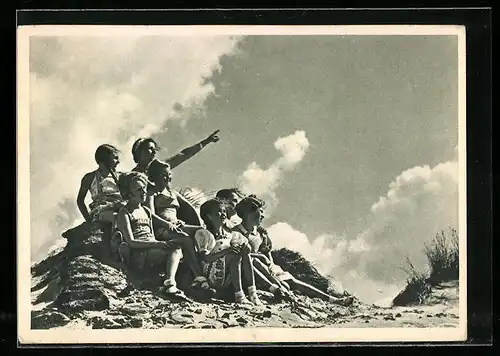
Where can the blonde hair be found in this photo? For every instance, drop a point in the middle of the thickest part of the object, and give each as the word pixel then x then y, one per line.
pixel 127 178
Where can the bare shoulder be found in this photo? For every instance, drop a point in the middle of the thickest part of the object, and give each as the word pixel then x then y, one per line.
pixel 87 178
pixel 122 214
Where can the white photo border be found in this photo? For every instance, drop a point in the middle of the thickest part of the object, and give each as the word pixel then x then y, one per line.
pixel 234 335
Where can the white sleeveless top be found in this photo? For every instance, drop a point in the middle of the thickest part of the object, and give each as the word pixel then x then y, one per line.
pixel 104 188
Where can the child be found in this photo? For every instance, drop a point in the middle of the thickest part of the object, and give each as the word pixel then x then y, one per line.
pixel 225 255
pixel 144 151
pixel 164 201
pixel 103 187
pixel 135 222
pixel 250 210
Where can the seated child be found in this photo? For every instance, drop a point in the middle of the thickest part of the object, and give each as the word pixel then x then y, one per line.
pixel 103 187
pixel 164 201
pixel 225 255
pixel 250 210
pixel 135 222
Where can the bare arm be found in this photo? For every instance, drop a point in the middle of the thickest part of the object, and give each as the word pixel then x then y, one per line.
pixel 123 222
pixel 189 152
pixel 168 225
pixel 261 257
pixel 82 193
pixel 150 203
pixel 270 257
pixel 217 255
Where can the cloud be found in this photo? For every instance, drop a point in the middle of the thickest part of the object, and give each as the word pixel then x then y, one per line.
pixel 264 182
pixel 419 203
pixel 88 91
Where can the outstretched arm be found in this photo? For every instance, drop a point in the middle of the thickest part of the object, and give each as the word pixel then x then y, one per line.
pixel 189 152
pixel 82 193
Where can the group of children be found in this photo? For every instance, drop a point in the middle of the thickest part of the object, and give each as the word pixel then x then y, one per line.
pixel 226 248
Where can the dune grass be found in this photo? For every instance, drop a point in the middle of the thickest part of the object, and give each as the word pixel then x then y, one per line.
pixel 442 255
pixel 443 259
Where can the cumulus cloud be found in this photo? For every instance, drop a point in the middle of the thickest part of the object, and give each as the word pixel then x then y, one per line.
pixel 86 91
pixel 264 182
pixel 419 203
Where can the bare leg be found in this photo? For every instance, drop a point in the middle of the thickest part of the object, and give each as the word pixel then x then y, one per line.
pixel 187 246
pixel 316 293
pixel 248 271
pixel 191 229
pixel 248 274
pixel 173 259
pixel 234 262
pixel 264 279
pixel 263 269
pixel 235 271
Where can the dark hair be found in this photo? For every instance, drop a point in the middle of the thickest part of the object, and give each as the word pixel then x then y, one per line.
pixel 155 167
pixel 207 208
pixel 139 144
pixel 104 151
pixel 228 193
pixel 127 178
pixel 249 204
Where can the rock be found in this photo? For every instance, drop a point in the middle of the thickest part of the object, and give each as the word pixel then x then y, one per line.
pixel 367 321
pixel 48 319
pixel 225 315
pixel 198 311
pixel 267 314
pixel 389 317
pixel 136 322
pixel 134 309
pixel 398 315
pixel 80 300
pixel 89 285
pixel 52 290
pixel 241 320
pixel 228 323
pixel 208 326
pixel 179 318
pixel 98 322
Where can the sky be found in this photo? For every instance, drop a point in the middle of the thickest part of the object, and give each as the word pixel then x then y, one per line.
pixel 350 139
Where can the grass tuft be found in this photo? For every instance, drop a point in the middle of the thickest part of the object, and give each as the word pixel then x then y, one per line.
pixel 443 259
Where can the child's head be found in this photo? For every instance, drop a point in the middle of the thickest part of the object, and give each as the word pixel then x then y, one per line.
pixel 160 174
pixel 133 187
pixel 212 213
pixel 251 209
pixel 144 150
pixel 107 156
pixel 231 197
